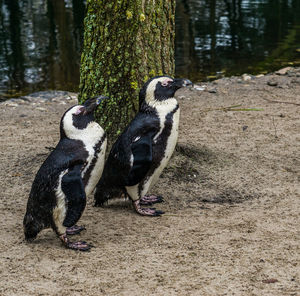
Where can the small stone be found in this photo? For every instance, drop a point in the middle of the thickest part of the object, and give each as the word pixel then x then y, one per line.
pixel 20 101
pixel 181 97
pixel 245 127
pixel 260 75
pixel 41 109
pixel 283 71
pixel 62 103
pixel 73 98
pixel 272 83
pixel 11 104
pixel 212 90
pixel 270 281
pixel 246 77
pixel 199 87
pixel 220 80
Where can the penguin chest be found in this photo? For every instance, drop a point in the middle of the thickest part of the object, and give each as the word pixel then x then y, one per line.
pixel 171 137
pixel 93 169
pixel 165 144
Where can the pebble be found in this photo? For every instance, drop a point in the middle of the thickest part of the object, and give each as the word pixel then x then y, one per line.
pixel 272 83
pixel 212 90
pixel 41 109
pixel 199 87
pixel 283 71
pixel 11 104
pixel 246 77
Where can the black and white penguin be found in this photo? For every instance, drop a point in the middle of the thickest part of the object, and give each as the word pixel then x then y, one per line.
pixel 142 151
pixel 69 174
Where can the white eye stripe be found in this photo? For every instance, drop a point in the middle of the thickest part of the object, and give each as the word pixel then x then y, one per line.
pixel 166 82
pixel 79 110
pixel 152 85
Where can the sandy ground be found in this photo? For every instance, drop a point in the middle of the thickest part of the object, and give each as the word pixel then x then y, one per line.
pixel 232 202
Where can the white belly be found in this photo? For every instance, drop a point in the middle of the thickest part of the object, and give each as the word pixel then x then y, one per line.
pixel 97 170
pixel 59 212
pixel 133 191
pixel 171 144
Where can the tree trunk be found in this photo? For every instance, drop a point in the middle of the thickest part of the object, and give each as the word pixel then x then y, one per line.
pixel 125 43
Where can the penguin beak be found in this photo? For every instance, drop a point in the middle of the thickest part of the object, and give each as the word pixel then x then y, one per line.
pixel 91 104
pixel 187 82
pixel 181 82
pixel 100 99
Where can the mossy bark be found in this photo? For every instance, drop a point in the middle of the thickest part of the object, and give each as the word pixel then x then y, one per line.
pixel 125 43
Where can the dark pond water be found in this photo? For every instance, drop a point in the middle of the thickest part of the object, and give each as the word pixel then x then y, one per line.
pixel 41 40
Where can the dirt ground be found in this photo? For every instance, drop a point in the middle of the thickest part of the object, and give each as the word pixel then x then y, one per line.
pixel 232 202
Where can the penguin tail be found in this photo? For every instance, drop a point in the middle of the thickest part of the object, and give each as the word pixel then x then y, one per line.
pixel 31 227
pixel 101 197
pixel 104 192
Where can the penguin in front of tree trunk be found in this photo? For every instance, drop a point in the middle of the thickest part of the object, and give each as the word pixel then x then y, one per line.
pixel 69 174
pixel 142 151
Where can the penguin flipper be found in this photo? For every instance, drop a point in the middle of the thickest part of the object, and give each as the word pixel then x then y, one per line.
pixel 73 188
pixel 142 159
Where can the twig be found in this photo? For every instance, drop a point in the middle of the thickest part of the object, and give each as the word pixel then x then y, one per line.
pixel 231 108
pixel 281 102
pixel 273 120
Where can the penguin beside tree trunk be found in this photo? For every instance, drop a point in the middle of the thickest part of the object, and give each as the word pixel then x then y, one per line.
pixel 70 173
pixel 142 151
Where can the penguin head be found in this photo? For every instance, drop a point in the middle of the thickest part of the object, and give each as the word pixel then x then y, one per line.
pixel 79 117
pixel 161 88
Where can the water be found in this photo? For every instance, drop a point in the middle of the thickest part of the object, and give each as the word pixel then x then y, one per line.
pixel 223 37
pixel 40 44
pixel 40 40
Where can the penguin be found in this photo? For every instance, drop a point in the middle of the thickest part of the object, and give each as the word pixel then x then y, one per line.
pixel 143 150
pixel 68 175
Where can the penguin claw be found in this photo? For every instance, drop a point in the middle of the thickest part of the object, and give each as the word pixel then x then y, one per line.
pixel 78 246
pixel 146 211
pixel 75 229
pixel 159 213
pixel 149 200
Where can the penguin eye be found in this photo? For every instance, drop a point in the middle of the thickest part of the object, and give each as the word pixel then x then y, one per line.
pixel 79 110
pixel 166 82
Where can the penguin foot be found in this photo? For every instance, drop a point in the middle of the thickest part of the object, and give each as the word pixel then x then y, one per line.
pixel 146 211
pixel 78 246
pixel 151 199
pixel 75 229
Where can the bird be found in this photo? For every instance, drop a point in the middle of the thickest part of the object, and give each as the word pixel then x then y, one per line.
pixel 143 150
pixel 69 174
